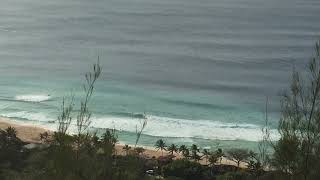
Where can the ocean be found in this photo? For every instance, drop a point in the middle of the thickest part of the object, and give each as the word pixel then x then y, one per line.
pixel 200 70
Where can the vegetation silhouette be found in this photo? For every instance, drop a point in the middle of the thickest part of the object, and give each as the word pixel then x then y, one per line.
pixel 161 145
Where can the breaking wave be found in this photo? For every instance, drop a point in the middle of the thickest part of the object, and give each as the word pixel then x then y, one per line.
pixel 33 98
pixel 167 127
pixel 183 128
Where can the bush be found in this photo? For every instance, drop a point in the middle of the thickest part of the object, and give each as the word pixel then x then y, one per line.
pixel 238 175
pixel 184 169
pixel 11 149
pixel 297 152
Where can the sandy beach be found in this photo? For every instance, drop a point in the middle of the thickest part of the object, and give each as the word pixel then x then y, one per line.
pixel 27 133
pixel 31 134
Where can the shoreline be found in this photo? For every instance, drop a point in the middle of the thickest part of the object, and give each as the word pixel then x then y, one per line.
pixel 31 134
pixel 26 132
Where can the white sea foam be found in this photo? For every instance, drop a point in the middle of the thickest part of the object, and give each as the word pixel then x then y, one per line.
pixel 32 116
pixel 167 127
pixel 182 128
pixel 33 98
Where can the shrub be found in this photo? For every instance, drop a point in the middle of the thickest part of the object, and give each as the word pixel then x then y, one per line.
pixel 184 169
pixel 238 155
pixel 11 148
pixel 297 152
pixel 238 175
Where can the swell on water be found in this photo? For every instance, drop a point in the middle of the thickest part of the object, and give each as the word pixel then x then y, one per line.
pixel 165 127
pixel 29 116
pixel 183 128
pixel 32 97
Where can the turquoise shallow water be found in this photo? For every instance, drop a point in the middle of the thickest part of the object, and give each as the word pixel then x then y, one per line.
pixel 200 70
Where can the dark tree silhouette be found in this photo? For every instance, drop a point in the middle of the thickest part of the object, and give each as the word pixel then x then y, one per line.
pixel 173 149
pixel 161 145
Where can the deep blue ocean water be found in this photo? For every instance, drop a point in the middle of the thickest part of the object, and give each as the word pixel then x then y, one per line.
pixel 200 70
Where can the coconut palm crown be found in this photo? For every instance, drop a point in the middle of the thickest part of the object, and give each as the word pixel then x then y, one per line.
pixel 160 145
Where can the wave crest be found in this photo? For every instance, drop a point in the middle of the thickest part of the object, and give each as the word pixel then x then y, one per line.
pixel 166 127
pixel 33 98
pixel 182 128
pixel 29 116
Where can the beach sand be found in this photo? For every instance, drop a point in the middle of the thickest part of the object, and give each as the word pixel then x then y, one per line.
pixel 31 134
pixel 27 133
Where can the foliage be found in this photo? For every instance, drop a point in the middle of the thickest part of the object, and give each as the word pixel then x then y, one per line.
pixel 184 150
pixel 194 152
pixel 206 153
pixel 185 169
pixel 238 175
pixel 11 149
pixel 139 150
pixel 161 145
pixel 286 156
pixel 238 155
pixel 219 153
pixel 173 148
pixel 213 158
pixel 45 137
pixel 297 151
pixel 64 119
pixel 84 115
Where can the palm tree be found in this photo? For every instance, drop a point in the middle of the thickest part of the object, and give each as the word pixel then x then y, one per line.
pixel 160 145
pixel 9 135
pixel 126 148
pixel 184 150
pixel 11 132
pixel 206 154
pixel 172 149
pixel 186 153
pixel 219 154
pixel 194 152
pixel 213 158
